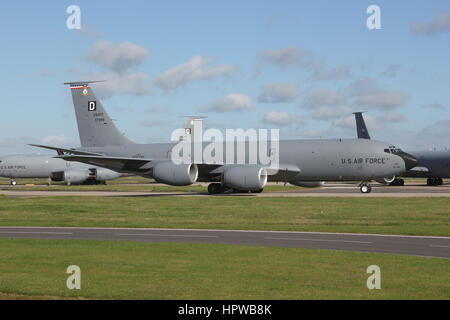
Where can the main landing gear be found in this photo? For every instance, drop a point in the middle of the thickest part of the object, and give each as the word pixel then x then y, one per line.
pixel 365 187
pixel 217 188
pixel 397 182
pixel 434 182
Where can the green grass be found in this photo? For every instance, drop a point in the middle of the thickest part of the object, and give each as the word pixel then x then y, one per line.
pixel 122 180
pixel 132 270
pixel 130 184
pixel 135 188
pixel 408 216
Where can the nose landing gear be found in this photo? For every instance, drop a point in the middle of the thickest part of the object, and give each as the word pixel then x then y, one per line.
pixel 365 187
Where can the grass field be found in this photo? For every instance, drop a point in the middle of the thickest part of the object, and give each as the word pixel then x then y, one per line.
pixel 122 180
pixel 35 269
pixel 133 180
pixel 408 216
pixel 123 184
pixel 128 270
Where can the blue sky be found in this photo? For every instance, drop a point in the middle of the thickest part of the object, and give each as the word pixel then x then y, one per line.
pixel 300 66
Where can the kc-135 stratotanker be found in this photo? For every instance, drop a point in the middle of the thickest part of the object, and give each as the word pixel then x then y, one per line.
pixel 300 162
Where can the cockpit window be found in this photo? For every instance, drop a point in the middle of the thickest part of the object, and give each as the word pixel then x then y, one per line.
pixel 393 149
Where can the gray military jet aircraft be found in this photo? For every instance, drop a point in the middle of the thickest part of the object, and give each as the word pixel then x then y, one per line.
pixel 47 166
pixel 434 165
pixel 300 161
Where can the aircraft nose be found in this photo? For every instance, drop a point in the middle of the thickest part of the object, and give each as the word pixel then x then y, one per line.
pixel 410 160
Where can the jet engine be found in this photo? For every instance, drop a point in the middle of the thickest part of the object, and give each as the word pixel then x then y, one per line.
pixel 76 176
pixel 307 184
pixel 102 174
pixel 248 178
pixel 176 175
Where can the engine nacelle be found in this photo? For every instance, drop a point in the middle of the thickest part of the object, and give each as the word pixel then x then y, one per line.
pixel 385 180
pixel 307 184
pixel 76 176
pixel 247 178
pixel 176 175
pixel 102 174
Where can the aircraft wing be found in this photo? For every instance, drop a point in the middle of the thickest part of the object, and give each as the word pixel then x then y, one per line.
pixel 283 171
pixel 114 163
pixel 61 151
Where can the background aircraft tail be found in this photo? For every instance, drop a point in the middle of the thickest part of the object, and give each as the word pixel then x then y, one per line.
pixel 361 128
pixel 95 127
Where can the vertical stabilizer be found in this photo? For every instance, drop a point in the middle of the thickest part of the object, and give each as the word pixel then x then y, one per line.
pixel 361 128
pixel 95 127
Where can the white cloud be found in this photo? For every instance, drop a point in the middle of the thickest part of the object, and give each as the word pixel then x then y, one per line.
pixel 277 92
pixel 324 97
pixel 321 73
pixel 281 118
pixel 283 57
pixel 294 56
pixel 117 57
pixel 392 117
pixel 382 99
pixel 348 122
pixel 441 23
pixel 118 62
pixel 368 94
pixel 130 82
pixel 58 140
pixel 232 102
pixel 198 68
pixel 330 113
pixel 391 71
pixel 431 135
pixel 363 86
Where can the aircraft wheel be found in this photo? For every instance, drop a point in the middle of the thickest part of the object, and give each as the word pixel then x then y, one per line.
pixel 440 182
pixel 214 188
pixel 13 182
pixel 401 182
pixel 365 188
pixel 429 182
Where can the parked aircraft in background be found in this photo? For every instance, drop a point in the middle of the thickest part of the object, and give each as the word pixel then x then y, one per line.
pixel 300 161
pixel 433 165
pixel 47 166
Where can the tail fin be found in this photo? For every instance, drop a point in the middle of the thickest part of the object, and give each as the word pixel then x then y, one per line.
pixel 361 128
pixel 95 127
pixel 193 128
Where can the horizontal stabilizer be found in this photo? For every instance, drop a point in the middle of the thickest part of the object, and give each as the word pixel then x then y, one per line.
pixel 62 151
pixel 82 83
